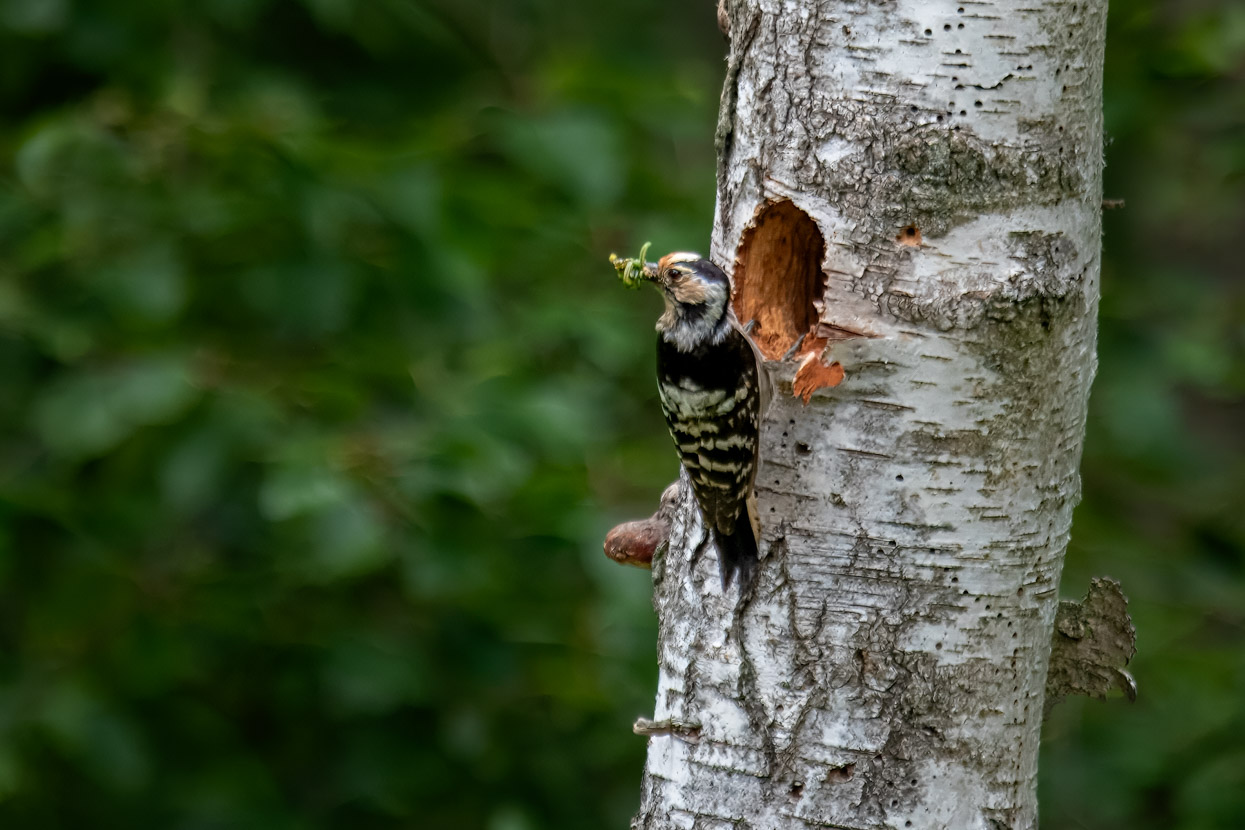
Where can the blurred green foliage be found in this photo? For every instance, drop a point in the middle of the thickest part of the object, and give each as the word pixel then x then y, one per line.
pixel 317 396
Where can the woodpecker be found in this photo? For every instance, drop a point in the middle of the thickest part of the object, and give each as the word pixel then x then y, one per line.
pixel 713 391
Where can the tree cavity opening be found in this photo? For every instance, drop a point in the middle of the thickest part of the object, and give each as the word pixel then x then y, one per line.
pixel 778 278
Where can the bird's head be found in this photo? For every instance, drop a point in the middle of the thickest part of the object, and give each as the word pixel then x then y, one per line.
pixel 697 295
pixel 692 284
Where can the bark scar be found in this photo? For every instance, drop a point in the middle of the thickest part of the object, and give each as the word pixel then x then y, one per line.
pixel 730 86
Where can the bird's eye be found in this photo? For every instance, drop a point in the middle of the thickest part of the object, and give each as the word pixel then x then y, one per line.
pixel 674 272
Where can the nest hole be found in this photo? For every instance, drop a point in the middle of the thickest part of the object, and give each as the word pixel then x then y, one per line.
pixel 778 277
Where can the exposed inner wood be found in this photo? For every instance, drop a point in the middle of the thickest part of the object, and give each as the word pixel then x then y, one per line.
pixel 778 276
pixel 909 236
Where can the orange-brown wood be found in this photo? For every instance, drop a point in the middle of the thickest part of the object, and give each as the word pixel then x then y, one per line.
pixel 778 277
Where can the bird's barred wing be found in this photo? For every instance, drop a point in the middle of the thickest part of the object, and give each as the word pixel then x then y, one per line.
pixel 715 427
pixel 765 385
pixel 766 394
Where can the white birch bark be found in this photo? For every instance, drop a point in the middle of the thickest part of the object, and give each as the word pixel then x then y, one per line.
pixel 888 669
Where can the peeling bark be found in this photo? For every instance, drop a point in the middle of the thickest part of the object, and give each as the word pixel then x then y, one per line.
pixel 888 668
pixel 1094 640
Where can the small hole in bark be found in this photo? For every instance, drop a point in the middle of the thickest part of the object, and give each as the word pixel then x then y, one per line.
pixel 796 789
pixel 963 112
pixel 940 118
pixel 802 448
pixel 947 28
pixel 772 510
pixel 778 277
pixel 843 773
pixel 959 51
pixel 955 579
pixel 976 103
pixel 929 32
pixel 960 10
pixel 959 25
pixel 1057 71
pixel 909 236
pixel 898 478
pixel 938 646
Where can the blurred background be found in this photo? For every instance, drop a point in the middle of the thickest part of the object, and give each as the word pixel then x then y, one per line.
pixel 317 397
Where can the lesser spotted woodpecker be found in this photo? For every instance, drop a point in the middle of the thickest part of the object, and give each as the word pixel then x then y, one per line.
pixel 713 391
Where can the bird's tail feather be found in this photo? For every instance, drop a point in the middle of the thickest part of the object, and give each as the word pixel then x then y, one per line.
pixel 737 553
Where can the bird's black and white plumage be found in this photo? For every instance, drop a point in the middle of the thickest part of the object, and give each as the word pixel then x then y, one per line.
pixel 713 391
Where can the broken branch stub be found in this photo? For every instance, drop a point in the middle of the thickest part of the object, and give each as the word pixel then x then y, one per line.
pixel 639 542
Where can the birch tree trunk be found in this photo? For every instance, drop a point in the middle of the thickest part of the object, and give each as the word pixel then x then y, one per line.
pixel 914 185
